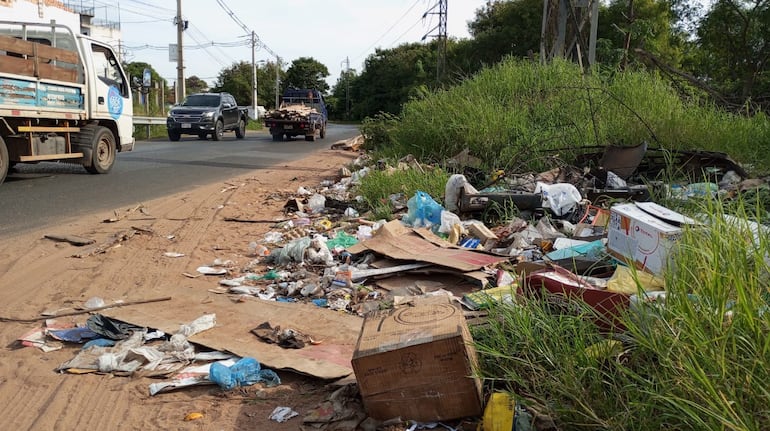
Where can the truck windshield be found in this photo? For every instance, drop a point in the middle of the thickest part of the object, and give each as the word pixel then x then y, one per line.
pixel 210 100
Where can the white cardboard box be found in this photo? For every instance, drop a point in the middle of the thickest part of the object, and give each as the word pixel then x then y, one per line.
pixel 639 237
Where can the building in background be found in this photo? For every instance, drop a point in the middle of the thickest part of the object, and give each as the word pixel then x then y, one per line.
pixel 79 15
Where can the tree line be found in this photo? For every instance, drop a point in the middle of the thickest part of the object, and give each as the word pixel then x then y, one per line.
pixel 720 52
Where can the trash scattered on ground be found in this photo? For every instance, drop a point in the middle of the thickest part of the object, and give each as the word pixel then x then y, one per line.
pixel 282 414
pixel 587 233
pixel 193 416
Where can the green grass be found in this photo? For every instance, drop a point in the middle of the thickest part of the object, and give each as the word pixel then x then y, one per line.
pixel 517 114
pixel 377 186
pixel 701 362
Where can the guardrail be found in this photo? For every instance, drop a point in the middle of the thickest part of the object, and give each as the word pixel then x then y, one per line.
pixel 149 121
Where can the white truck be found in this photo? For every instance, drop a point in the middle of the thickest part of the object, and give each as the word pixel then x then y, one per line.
pixel 63 97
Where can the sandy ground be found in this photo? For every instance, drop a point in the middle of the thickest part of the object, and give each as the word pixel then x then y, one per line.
pixel 38 275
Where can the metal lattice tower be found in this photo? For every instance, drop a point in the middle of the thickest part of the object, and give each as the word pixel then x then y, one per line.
pixel 441 34
pixel 569 30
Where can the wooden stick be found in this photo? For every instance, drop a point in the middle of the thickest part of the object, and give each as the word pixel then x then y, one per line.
pixel 73 313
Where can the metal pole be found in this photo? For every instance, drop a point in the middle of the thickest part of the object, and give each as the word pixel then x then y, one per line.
pixel 254 74
pixel 179 54
pixel 277 79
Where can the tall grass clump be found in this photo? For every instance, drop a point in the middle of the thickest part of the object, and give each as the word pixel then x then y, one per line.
pixel 698 361
pixel 377 186
pixel 711 340
pixel 515 114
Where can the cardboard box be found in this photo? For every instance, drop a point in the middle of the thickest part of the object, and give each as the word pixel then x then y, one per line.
pixel 416 363
pixel 646 236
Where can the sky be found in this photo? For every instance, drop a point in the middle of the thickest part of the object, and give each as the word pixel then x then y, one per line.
pixel 327 30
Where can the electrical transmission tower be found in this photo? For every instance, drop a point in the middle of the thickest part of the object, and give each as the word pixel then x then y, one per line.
pixel 440 34
pixel 569 30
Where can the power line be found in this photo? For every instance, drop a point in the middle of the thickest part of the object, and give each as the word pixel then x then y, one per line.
pixel 256 40
pixel 150 5
pixel 388 30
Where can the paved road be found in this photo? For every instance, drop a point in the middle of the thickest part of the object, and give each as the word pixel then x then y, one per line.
pixel 46 193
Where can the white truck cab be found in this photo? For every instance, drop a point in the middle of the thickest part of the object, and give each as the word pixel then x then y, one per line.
pixel 63 96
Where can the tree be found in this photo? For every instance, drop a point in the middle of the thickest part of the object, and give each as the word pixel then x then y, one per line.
pixel 194 84
pixel 236 80
pixel 338 101
pixel 306 72
pixel 390 77
pixel 734 49
pixel 651 25
pixel 506 28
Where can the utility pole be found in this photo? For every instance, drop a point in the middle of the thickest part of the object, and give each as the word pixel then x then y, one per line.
pixel 180 27
pixel 254 73
pixel 277 80
pixel 347 88
pixel 441 27
pixel 569 31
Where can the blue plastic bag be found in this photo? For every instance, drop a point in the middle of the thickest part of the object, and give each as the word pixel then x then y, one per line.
pixel 423 210
pixel 245 372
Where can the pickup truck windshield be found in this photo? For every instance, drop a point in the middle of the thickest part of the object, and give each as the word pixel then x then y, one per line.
pixel 211 100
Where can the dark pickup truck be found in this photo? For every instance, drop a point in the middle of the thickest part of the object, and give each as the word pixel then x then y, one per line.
pixel 206 114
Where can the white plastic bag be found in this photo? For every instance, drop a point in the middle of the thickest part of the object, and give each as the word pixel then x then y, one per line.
pixel 560 198
pixel 452 191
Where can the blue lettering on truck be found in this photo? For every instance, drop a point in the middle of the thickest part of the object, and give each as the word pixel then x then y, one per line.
pixel 114 102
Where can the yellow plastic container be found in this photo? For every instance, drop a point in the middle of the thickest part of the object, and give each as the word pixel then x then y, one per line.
pixel 499 412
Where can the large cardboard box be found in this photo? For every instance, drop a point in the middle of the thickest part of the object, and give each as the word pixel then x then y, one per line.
pixel 416 363
pixel 644 234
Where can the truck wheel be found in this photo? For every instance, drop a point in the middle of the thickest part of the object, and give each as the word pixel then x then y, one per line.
pixel 202 136
pixel 219 131
pixel 174 135
pixel 310 138
pixel 97 144
pixel 278 137
pixel 240 132
pixel 4 162
pixel 323 131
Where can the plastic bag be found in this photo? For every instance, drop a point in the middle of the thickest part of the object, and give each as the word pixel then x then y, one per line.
pixel 448 221
pixel 560 198
pixel 452 191
pixel 316 203
pixel 342 239
pixel 423 210
pixel 245 372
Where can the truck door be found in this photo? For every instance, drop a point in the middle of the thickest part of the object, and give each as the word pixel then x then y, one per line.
pixel 230 110
pixel 109 93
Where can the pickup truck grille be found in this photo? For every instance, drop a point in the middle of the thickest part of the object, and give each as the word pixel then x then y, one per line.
pixel 192 118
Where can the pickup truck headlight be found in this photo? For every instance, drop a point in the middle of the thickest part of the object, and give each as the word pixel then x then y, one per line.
pixel 208 114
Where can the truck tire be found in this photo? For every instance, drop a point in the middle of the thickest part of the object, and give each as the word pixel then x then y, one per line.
pixel 240 132
pixel 278 137
pixel 97 143
pixel 310 138
pixel 323 132
pixel 219 131
pixel 174 136
pixel 5 164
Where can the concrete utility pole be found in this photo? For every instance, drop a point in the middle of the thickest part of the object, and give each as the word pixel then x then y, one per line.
pixel 254 74
pixel 180 27
pixel 347 88
pixel 277 80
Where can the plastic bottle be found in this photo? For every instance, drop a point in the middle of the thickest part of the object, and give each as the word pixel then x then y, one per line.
pixel 258 249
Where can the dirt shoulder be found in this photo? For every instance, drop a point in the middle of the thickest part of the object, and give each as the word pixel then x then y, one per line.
pixel 39 275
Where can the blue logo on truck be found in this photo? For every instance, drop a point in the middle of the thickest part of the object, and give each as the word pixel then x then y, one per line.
pixel 114 102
